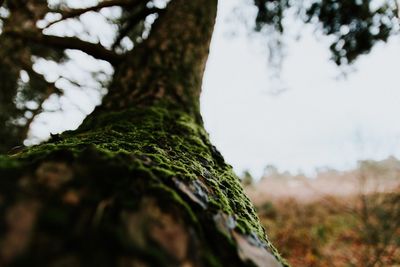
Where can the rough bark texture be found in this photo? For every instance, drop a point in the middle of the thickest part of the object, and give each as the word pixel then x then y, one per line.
pixel 169 65
pixel 139 183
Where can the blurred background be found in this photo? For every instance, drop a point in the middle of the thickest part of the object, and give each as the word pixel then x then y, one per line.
pixel 316 145
pixel 316 115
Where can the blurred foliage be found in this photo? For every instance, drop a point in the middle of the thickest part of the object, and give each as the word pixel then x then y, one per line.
pixel 23 90
pixel 333 233
pixel 334 225
pixel 355 25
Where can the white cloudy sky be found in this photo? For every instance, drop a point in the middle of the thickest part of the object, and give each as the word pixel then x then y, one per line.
pixel 319 121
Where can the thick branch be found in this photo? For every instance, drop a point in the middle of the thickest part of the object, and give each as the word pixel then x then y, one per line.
pixel 72 13
pixel 95 50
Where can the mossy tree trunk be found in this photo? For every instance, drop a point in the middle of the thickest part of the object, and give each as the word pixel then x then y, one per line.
pixel 139 183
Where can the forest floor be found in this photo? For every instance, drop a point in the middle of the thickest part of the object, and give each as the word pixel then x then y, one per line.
pixel 335 219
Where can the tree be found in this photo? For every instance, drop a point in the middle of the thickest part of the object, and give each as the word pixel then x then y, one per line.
pixel 138 183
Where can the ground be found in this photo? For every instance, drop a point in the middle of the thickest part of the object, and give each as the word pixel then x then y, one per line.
pixel 336 219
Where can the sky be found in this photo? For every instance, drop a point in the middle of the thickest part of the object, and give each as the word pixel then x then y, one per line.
pixel 320 120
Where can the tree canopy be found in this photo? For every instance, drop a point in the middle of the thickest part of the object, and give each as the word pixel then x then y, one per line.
pixel 355 25
pixel 37 31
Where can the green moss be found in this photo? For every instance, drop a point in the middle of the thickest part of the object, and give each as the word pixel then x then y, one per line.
pixel 164 144
pixel 7 163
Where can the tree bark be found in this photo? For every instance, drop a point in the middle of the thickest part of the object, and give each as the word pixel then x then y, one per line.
pixel 139 183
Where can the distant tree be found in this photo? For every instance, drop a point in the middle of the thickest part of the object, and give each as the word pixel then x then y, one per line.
pixel 271 170
pixel 139 183
pixel 247 178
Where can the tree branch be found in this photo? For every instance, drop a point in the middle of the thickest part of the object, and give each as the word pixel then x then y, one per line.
pixel 95 50
pixel 72 13
pixel 135 19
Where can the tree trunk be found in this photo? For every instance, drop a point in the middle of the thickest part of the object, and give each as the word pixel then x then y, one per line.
pixel 139 183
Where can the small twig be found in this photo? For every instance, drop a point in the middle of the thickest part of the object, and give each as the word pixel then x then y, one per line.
pixel 134 20
pixel 51 88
